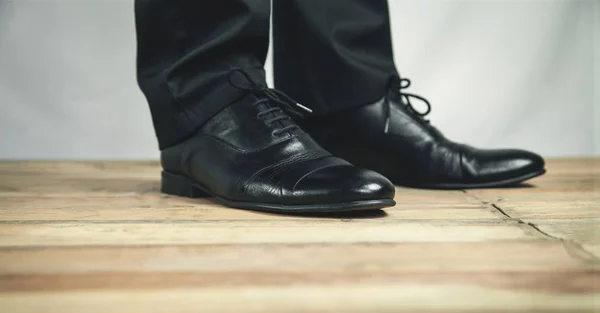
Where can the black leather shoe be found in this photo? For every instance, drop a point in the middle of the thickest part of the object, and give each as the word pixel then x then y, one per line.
pixel 251 155
pixel 392 138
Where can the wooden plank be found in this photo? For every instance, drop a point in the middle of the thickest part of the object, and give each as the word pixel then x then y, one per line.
pixel 564 206
pixel 573 186
pixel 361 297
pixel 42 168
pixel 157 207
pixel 559 282
pixel 551 211
pixel 593 248
pixel 218 213
pixel 560 166
pixel 79 185
pixel 259 231
pixel 69 177
pixel 428 257
pixel 584 231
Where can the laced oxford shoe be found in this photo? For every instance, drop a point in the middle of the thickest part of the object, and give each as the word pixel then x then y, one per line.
pixel 251 155
pixel 391 137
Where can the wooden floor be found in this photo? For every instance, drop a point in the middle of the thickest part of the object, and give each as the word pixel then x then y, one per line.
pixel 98 237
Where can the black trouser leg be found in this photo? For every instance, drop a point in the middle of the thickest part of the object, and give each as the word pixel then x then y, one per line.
pixel 332 55
pixel 185 49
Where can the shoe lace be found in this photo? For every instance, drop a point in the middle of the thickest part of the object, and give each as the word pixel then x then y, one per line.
pixel 266 95
pixel 400 84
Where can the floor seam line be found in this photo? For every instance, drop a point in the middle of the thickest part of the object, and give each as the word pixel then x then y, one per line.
pixel 565 242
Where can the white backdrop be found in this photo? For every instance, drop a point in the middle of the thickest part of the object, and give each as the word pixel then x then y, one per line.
pixel 502 73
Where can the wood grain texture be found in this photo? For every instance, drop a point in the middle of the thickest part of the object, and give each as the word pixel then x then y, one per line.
pixel 582 231
pixel 434 257
pixel 253 232
pixel 154 207
pixel 99 237
pixel 361 297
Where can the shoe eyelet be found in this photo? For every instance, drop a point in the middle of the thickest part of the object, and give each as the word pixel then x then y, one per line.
pixel 275 133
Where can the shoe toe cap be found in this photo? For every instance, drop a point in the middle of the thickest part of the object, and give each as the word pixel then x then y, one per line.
pixel 495 165
pixel 343 183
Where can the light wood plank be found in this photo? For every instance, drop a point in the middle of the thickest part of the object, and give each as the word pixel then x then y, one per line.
pixel 565 206
pixel 428 257
pixel 362 297
pixel 73 177
pixel 157 207
pixel 256 232
pixel 593 248
pixel 568 166
pixel 585 231
pixel 557 282
pixel 217 213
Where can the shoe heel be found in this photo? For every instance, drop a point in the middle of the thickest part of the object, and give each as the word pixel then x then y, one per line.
pixel 179 185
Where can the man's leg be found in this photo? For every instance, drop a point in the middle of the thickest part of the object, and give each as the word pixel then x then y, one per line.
pixel 221 131
pixel 332 55
pixel 185 49
pixel 336 57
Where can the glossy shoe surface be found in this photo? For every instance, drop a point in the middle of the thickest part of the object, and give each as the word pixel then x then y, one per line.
pixel 251 155
pixel 391 137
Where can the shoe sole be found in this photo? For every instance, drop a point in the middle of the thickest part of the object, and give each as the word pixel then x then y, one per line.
pixel 497 184
pixel 179 185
